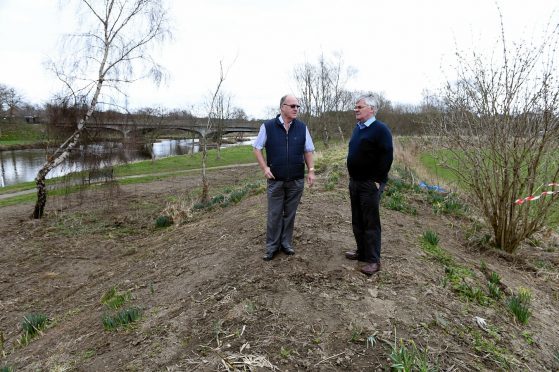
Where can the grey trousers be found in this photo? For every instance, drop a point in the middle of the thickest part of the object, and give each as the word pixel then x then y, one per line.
pixel 283 200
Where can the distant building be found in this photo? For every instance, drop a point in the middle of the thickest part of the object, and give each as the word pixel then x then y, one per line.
pixel 32 119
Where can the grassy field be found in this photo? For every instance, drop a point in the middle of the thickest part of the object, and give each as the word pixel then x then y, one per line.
pixel 429 161
pixel 21 134
pixel 228 156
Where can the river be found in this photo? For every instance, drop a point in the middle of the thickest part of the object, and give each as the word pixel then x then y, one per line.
pixel 17 166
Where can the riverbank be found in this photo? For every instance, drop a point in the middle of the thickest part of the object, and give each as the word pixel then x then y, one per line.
pixel 15 136
pixel 26 146
pixel 137 172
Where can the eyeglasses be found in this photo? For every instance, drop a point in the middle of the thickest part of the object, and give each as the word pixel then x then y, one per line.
pixel 292 106
pixel 359 107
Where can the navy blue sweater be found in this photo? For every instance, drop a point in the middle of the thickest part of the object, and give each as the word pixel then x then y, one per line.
pixel 370 153
pixel 285 151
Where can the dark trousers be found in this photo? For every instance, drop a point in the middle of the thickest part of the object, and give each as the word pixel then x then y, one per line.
pixel 365 218
pixel 283 200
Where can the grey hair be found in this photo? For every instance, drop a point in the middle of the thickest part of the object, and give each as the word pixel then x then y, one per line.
pixel 370 100
pixel 282 100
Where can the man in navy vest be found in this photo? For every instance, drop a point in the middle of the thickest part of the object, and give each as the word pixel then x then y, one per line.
pixel 289 147
pixel 369 159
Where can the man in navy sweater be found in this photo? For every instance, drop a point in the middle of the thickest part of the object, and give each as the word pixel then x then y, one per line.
pixel 369 159
pixel 289 147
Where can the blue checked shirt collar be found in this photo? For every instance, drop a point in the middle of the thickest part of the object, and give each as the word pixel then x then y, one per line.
pixel 367 123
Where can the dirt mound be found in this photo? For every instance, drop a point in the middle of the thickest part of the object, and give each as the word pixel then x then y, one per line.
pixel 209 302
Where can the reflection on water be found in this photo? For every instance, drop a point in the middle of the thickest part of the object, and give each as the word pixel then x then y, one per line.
pixel 17 166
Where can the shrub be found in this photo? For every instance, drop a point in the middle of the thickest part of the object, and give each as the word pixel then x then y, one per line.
pixel 217 199
pixel 237 195
pixel 163 221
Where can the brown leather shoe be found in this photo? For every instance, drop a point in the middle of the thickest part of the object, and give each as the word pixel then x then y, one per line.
pixel 371 268
pixel 351 255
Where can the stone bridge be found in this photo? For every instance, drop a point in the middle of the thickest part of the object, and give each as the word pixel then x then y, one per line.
pixel 126 127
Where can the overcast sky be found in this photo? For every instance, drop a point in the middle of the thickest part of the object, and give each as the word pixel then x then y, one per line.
pixel 398 47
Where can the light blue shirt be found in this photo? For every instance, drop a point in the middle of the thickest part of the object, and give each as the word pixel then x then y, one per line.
pixel 366 123
pixel 260 141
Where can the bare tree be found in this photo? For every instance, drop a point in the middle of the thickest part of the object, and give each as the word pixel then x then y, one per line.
pixel 204 198
pixel 500 133
pixel 222 111
pixel 116 42
pixel 10 102
pixel 322 91
pixel 304 76
pixel 3 98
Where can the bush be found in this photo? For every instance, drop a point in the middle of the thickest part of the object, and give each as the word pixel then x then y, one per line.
pixel 163 221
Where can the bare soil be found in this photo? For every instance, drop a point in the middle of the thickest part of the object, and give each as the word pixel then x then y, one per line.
pixel 209 302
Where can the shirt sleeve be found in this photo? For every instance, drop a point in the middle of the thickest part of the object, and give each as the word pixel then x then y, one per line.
pixel 309 145
pixel 260 141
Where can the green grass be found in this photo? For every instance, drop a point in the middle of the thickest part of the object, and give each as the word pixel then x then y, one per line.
pixel 519 305
pixel 19 187
pixel 123 318
pixel 229 156
pixel 430 237
pixel 494 291
pixel 333 177
pixel 455 275
pixel 285 352
pixel 231 196
pixel 408 358
pixel 430 245
pixel 32 326
pixel 493 286
pixel 430 162
pixel 528 337
pixel 356 334
pixel 396 196
pixel 114 299
pixel 446 204
pixel 21 133
pixel 488 347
